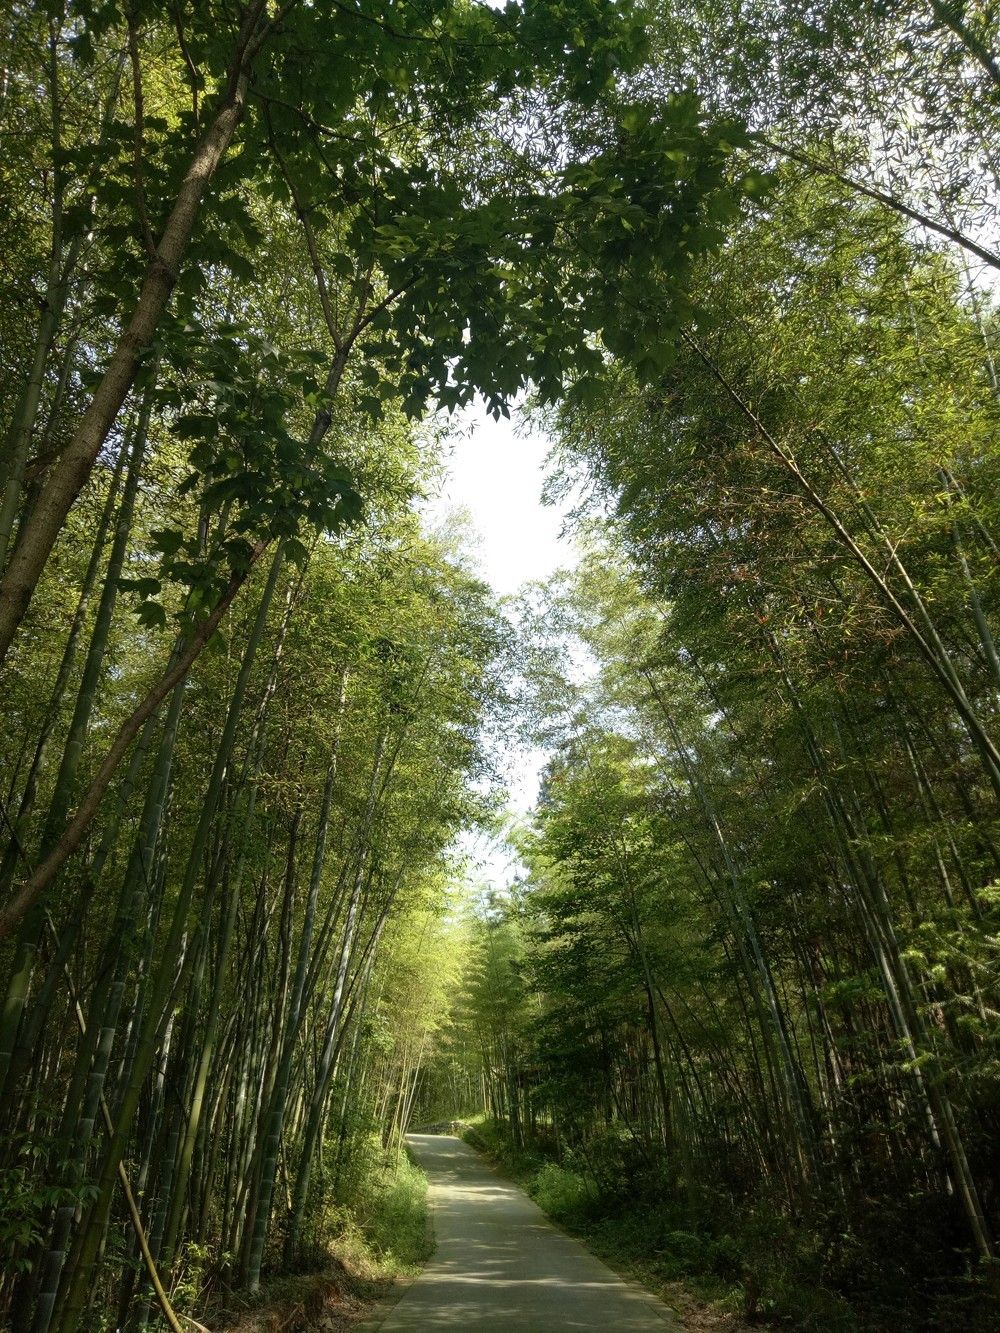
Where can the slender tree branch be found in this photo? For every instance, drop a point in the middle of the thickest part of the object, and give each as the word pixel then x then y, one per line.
pixel 139 138
pixel 194 78
pixel 880 196
pixel 950 16
pixel 43 875
pixel 300 209
pixel 942 670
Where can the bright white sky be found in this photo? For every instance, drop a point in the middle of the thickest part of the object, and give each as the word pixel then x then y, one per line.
pixel 496 473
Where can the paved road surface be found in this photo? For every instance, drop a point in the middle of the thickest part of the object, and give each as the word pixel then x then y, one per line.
pixel 499 1263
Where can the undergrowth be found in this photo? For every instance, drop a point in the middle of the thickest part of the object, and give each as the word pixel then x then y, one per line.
pixel 354 1255
pixel 758 1265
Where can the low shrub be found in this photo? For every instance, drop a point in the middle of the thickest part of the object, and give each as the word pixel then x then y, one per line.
pixel 392 1211
pixel 493 1140
pixel 563 1194
pixel 375 1203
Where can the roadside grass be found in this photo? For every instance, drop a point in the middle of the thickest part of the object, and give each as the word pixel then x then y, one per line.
pixel 357 1256
pixel 714 1283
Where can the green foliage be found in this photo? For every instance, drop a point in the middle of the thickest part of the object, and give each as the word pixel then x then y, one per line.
pixel 392 1213
pixel 193 1266
pixel 374 1207
pixel 27 1197
pixel 564 1195
pixel 756 922
pixel 736 1019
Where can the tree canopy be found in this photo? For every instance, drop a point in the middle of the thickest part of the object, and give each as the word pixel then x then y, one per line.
pixel 737 1009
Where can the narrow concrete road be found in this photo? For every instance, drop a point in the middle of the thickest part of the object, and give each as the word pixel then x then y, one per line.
pixel 500 1264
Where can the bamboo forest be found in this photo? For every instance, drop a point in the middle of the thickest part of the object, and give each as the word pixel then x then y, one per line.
pixel 282 929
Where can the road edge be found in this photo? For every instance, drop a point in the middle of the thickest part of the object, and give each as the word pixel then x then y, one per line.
pixel 383 1308
pixel 666 1313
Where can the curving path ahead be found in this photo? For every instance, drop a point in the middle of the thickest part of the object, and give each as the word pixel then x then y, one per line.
pixel 500 1264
